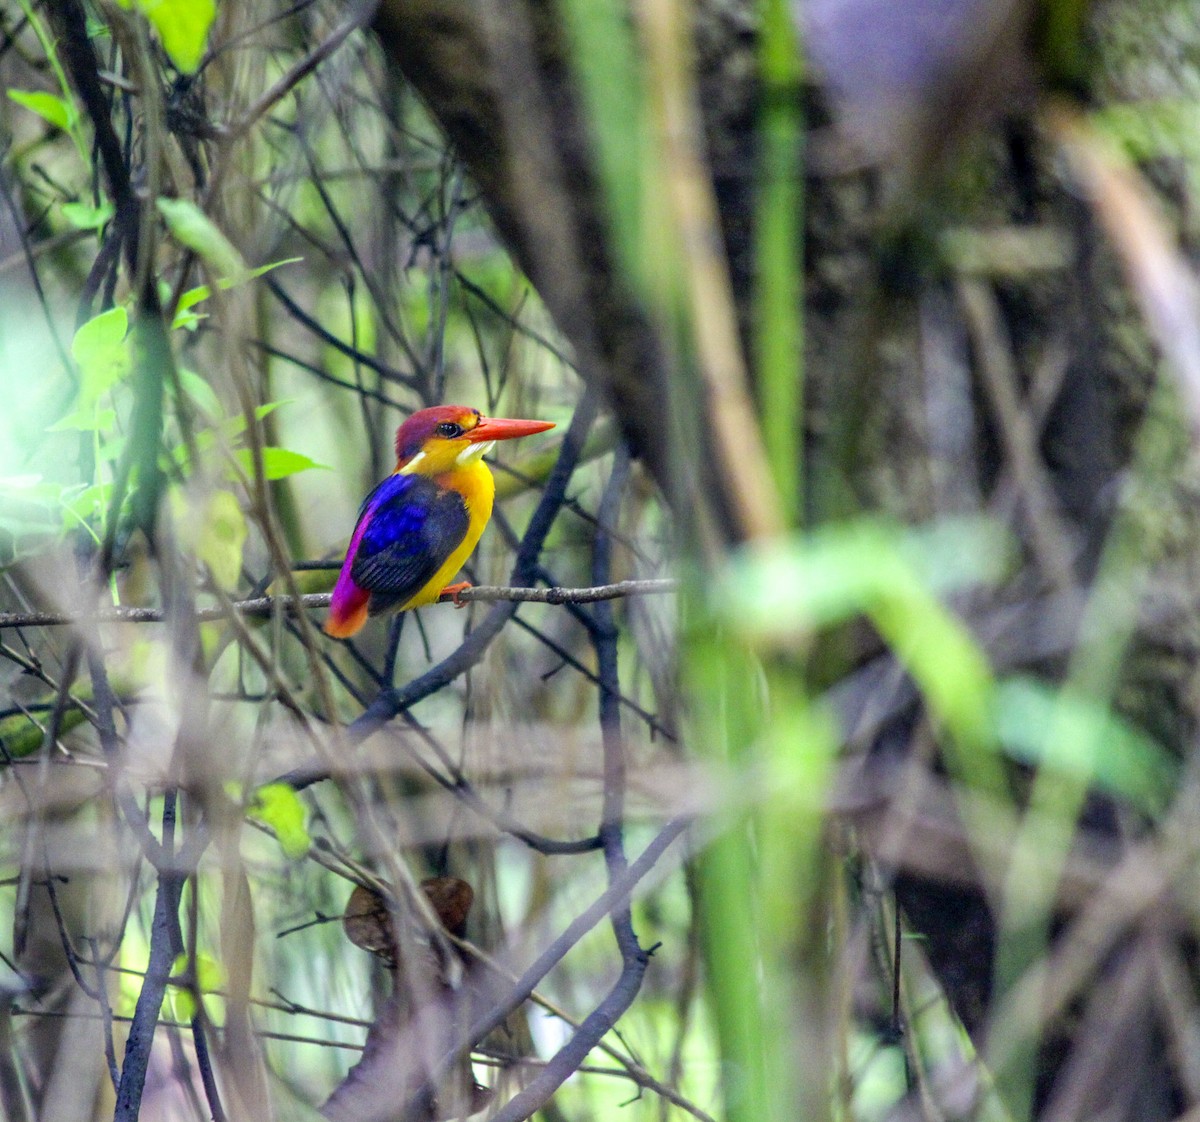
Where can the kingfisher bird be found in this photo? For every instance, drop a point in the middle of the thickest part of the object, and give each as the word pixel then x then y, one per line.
pixel 416 529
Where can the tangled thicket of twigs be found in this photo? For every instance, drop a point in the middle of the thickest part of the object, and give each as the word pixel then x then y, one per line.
pixel 176 955
pixel 608 835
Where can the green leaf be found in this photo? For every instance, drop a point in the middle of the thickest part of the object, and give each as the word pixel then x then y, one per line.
pixel 222 537
pixel 938 651
pixel 191 227
pixel 278 806
pixel 1084 740
pixel 21 737
pixel 201 292
pixel 86 420
pixel 101 353
pixel 278 463
pixel 50 107
pixel 786 593
pixel 269 407
pixel 183 27
pixel 190 299
pixel 210 974
pixel 189 321
pixel 84 216
pixel 180 1002
pixel 817 580
pixel 86 505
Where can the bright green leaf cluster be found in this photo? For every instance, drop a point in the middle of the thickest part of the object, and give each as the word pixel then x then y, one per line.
pixel 103 352
pixel 278 806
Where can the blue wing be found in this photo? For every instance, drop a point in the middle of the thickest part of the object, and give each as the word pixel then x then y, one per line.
pixel 412 526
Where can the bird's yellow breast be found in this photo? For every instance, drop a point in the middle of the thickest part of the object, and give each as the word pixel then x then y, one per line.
pixel 478 489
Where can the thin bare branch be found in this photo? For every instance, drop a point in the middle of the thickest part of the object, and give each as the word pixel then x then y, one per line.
pixel 266 605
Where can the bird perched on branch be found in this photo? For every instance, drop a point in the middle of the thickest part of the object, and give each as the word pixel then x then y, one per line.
pixel 418 527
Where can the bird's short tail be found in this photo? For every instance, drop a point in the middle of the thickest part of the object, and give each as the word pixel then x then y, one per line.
pixel 347 610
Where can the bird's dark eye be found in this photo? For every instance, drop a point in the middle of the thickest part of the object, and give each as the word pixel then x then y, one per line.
pixel 449 430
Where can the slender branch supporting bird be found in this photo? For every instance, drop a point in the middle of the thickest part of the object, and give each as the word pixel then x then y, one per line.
pixel 265 605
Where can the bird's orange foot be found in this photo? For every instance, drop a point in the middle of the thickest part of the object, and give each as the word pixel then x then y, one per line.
pixel 452 590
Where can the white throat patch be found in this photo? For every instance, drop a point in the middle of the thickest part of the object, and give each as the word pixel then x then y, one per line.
pixel 411 466
pixel 473 453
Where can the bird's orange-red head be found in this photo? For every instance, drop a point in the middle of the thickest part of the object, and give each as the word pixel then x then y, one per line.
pixel 437 440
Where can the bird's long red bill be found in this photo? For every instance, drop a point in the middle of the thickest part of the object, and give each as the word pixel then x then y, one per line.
pixel 504 428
